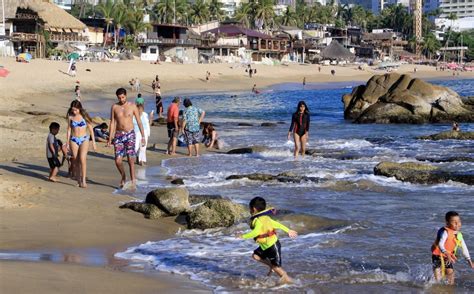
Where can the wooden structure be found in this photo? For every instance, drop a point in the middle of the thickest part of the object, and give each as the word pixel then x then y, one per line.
pixel 37 22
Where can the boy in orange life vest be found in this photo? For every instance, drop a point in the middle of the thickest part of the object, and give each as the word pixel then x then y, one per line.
pixel 448 240
pixel 263 232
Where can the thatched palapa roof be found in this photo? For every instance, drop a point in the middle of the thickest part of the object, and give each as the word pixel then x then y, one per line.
pixel 336 51
pixel 54 17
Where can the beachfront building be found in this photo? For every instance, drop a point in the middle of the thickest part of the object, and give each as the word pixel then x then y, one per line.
pixel 34 23
pixel 230 6
pixel 386 44
pixel 166 42
pixel 230 41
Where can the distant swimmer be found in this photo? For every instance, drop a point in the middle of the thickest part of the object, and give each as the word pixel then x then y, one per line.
pixel 443 251
pixel 264 233
pixel 255 90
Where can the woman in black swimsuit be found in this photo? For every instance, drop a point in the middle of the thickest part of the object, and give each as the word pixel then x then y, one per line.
pixel 300 128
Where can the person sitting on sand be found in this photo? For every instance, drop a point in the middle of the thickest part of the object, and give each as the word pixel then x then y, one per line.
pixel 100 132
pixel 210 138
pixel 456 127
pixel 300 128
pixel 121 125
pixel 78 139
pixel 444 249
pixel 52 151
pixel 264 233
pixel 333 72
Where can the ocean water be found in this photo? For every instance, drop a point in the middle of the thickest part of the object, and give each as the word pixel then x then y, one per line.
pixel 380 231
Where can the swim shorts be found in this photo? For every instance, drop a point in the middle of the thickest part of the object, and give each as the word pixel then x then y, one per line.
pixel 272 254
pixel 124 144
pixel 54 162
pixel 436 259
pixel 172 132
pixel 192 138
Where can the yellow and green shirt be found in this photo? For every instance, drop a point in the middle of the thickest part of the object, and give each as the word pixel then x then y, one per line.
pixel 263 225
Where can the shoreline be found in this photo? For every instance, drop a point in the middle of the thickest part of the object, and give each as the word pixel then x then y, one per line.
pixel 59 216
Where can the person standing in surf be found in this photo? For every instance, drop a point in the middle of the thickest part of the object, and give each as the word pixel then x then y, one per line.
pixel 264 233
pixel 300 128
pixel 121 125
pixel 443 251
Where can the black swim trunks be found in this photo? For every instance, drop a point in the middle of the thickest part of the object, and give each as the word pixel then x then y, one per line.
pixel 172 131
pixel 54 162
pixel 159 103
pixel 272 254
pixel 436 259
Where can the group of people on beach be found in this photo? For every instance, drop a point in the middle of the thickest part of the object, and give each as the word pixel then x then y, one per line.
pixel 129 132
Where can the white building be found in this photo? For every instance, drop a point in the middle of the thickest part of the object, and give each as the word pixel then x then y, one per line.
pixel 379 5
pixel 461 8
pixel 459 25
pixel 230 7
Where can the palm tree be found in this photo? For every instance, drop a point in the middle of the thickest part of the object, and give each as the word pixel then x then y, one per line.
pixel 120 16
pixel 164 10
pixel 199 12
pixel 264 12
pixel 135 22
pixel 244 14
pixel 431 44
pixel 289 17
pixel 107 10
pixel 452 17
pixel 215 10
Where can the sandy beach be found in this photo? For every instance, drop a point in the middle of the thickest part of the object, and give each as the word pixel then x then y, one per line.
pixel 39 215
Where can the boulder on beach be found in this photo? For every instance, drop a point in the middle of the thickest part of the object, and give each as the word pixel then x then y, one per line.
pixel 421 173
pixel 177 182
pixel 214 213
pixel 245 125
pixel 395 98
pixel 150 211
pixel 285 177
pixel 172 201
pixel 268 124
pixel 200 198
pixel 449 135
pixel 247 150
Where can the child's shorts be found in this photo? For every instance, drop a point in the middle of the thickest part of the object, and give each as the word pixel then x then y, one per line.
pixel 54 162
pixel 437 262
pixel 272 254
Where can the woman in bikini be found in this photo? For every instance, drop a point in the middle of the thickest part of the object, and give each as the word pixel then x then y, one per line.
pixel 300 128
pixel 78 139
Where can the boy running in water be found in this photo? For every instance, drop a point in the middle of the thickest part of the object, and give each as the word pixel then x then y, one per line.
pixel 448 240
pixel 263 232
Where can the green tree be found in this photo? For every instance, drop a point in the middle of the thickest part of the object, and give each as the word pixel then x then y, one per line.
pixel 215 10
pixel 288 18
pixel 430 45
pixel 264 12
pixel 164 11
pixel 107 10
pixel 135 24
pixel 244 14
pixel 199 12
pixel 120 17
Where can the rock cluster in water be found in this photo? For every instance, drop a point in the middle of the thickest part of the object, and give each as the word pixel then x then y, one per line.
pixel 201 212
pixel 395 98
pixel 449 135
pixel 421 173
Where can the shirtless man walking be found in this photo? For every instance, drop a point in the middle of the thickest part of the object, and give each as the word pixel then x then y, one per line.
pixel 121 130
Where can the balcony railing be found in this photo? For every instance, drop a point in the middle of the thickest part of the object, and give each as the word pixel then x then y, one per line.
pixel 172 42
pixel 68 37
pixel 24 37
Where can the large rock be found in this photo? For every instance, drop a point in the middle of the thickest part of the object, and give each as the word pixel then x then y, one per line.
pixel 150 211
pixel 172 201
pixel 216 213
pixel 453 135
pixel 246 150
pixel 285 177
pixel 421 173
pixel 395 98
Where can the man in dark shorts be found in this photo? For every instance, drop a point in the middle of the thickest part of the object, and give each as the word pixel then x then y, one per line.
pixel 172 117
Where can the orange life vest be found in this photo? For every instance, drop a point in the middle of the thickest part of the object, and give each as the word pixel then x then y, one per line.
pixel 453 242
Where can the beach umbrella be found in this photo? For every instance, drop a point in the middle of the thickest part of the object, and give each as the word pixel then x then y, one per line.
pixel 25 56
pixel 4 72
pixel 73 55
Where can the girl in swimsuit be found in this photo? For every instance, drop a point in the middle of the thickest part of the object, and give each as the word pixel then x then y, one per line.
pixel 300 128
pixel 78 140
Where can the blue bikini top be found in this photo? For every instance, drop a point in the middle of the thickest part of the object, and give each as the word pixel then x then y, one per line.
pixel 78 124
